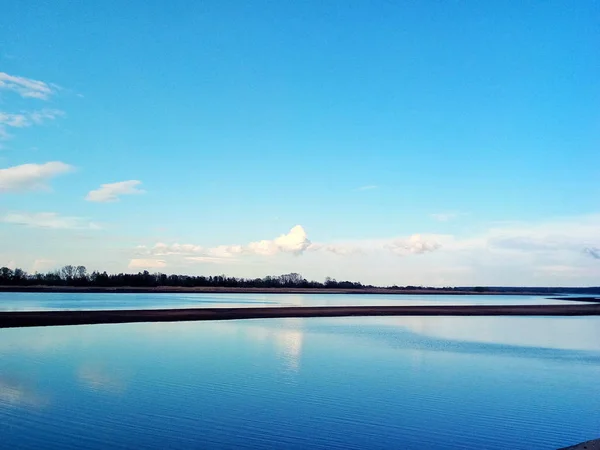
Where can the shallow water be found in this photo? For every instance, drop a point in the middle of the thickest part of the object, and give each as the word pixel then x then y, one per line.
pixel 26 301
pixel 378 382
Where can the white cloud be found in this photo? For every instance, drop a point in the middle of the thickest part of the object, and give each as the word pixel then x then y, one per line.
pixel 26 119
pixel 552 252
pixel 31 176
pixel 295 242
pixel 50 220
pixel 224 251
pixel 161 249
pixel 210 259
pixel 415 244
pixel 14 120
pixel 110 192
pixel 26 87
pixel 141 263
pixel 340 249
pixel 42 265
pixel 39 117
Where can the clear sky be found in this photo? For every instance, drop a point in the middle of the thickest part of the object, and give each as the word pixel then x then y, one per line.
pixel 435 143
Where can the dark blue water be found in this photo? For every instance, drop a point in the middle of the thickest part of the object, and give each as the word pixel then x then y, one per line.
pixel 25 301
pixel 347 383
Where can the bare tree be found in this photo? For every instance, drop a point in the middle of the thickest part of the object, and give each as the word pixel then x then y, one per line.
pixel 67 272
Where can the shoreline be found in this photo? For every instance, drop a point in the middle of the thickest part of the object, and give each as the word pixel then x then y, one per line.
pixel 20 319
pixel 251 290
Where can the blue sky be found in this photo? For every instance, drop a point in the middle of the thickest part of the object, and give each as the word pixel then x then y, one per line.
pixel 438 143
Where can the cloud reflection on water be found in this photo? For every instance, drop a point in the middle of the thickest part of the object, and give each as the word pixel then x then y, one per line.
pixel 98 377
pixel 15 392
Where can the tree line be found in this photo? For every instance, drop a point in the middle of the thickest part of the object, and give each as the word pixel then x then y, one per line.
pixel 78 276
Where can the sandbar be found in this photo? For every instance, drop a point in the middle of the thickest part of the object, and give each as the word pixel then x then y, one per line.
pixel 51 318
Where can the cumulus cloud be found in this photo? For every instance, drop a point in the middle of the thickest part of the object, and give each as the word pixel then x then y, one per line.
pixel 593 252
pixel 415 244
pixel 28 177
pixel 26 87
pixel 110 192
pixel 295 242
pixel 50 220
pixel 142 263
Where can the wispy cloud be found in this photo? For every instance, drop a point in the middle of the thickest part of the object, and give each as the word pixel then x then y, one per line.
pixel 369 187
pixel 593 252
pixel 26 87
pixel 26 119
pixel 146 263
pixel 40 265
pixel 112 191
pixel 27 177
pixel 210 259
pixel 340 249
pixel 49 220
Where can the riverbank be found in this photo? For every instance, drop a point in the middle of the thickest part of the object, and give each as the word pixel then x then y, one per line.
pixel 51 318
pixel 249 290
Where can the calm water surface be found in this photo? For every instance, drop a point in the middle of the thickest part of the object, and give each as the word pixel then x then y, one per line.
pixel 347 383
pixel 25 301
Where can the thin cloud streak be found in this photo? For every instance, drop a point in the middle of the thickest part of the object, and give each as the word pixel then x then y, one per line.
pixel 147 263
pixel 26 87
pixel 111 192
pixel 26 119
pixel 49 220
pixel 593 252
pixel 369 187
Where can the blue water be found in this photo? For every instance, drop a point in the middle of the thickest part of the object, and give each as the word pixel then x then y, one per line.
pixel 341 383
pixel 25 301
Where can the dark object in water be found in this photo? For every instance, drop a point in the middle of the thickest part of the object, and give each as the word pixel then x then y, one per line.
pixel 588 445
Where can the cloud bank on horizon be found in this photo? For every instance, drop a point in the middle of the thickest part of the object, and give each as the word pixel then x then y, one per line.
pixel 317 161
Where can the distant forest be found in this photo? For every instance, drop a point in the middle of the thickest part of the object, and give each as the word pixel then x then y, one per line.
pixel 78 276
